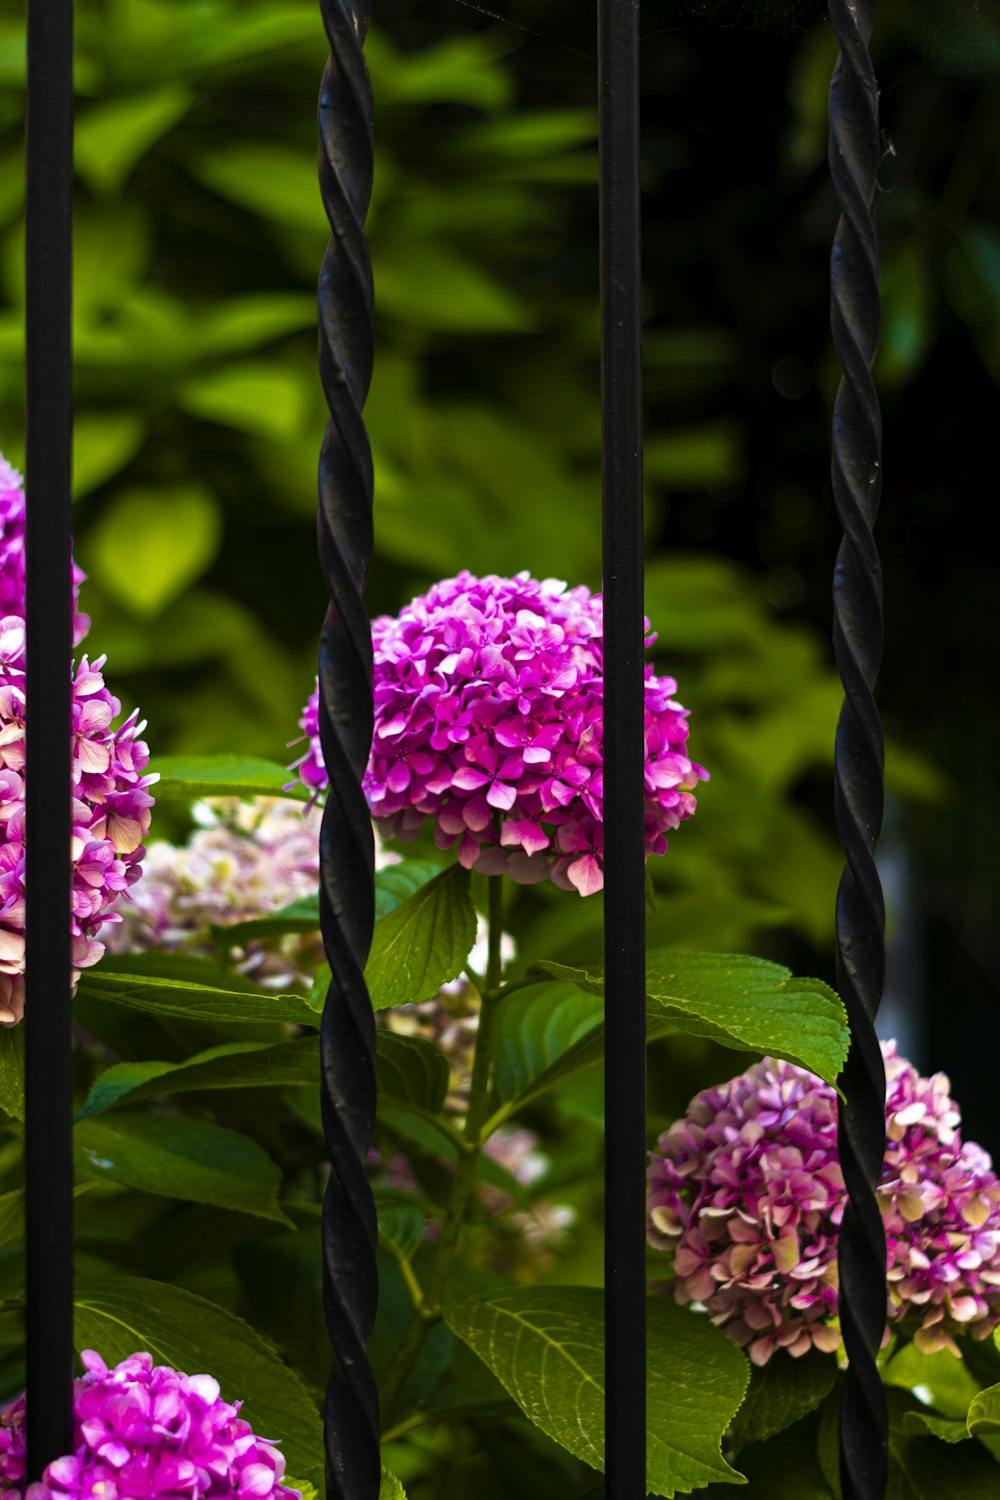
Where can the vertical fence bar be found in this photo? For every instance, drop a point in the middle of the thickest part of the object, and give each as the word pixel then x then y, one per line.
pixel 624 874
pixel 857 483
pixel 49 429
pixel 347 850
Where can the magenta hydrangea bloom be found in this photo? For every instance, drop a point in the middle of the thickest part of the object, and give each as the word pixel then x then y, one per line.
pixel 489 697
pixel 746 1194
pixel 147 1431
pixel 12 552
pixel 110 810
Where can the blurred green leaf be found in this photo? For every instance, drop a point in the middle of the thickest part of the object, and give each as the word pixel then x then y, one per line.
pixel 111 137
pixel 695 456
pixel 423 943
pixel 120 1314
pixel 180 1158
pixel 149 545
pixel 273 181
pixel 431 286
pixel 546 1346
pixel 102 445
pixel 268 400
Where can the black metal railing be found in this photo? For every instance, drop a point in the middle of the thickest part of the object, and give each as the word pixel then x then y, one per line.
pixel 347 894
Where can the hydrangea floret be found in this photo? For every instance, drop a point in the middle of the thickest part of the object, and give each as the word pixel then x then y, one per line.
pixel 147 1430
pixel 12 553
pixel 110 811
pixel 489 696
pixel 109 783
pixel 746 1194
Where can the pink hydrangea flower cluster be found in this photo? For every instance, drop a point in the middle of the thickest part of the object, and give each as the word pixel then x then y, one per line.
pixel 12 552
pixel 149 1431
pixel 747 1194
pixel 489 697
pixel 109 784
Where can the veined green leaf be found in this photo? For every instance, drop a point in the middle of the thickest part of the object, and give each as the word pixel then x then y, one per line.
pixel 411 1069
pixel 236 1065
pixel 546 1346
pixel 780 1393
pixel 423 943
pixel 192 1002
pixel 177 1157
pixel 122 1314
pixel 742 1002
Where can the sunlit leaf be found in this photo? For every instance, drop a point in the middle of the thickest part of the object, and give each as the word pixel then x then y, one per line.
pixel 149 545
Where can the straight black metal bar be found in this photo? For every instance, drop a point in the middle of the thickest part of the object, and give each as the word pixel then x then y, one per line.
pixel 857 483
pixel 48 1037
pixel 347 851
pixel 624 876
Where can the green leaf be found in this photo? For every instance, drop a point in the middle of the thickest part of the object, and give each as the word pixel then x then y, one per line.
pixel 946 1428
pixel 742 1002
pixel 298 916
pixel 395 883
pixel 984 1412
pixel 410 1069
pixel 435 1134
pixel 192 1002
pixel 921 1465
pixel 103 445
pixel 235 1065
pixel 389 1489
pixel 266 399
pixel 423 943
pixel 273 181
pixel 945 1379
pixel 546 1346
pixel 533 1029
pixel 111 137
pixel 781 1392
pixel 122 1314
pixel 176 1157
pixel 12 1071
pixel 400 1226
pixel 247 322
pixel 148 546
pixel 392 886
pixel 186 777
pixel 12 1212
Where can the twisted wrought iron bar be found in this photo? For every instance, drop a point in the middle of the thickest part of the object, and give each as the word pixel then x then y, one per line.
pixel 859 796
pixel 347 855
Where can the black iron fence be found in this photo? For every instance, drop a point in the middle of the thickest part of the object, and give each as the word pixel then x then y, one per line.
pixel 347 893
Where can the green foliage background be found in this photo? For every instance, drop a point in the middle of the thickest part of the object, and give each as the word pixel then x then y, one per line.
pixel 199 235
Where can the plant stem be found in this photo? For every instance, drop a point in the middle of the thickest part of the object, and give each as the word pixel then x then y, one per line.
pixel 429 1307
